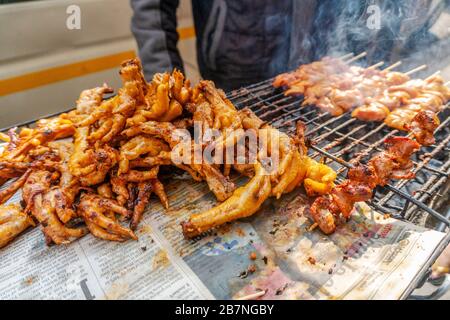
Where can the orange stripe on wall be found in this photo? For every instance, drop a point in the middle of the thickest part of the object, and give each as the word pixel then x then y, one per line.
pixel 73 70
pixel 186 33
pixel 65 72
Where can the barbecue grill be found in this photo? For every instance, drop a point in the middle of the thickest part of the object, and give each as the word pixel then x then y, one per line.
pixel 342 141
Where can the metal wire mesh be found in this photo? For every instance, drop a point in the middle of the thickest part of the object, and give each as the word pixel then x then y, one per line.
pixel 343 140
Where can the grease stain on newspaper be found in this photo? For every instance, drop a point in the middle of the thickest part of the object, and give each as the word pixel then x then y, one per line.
pixel 116 291
pixel 160 260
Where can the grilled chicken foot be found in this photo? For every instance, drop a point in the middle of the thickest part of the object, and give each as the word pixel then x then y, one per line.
pixel 42 202
pixel 244 202
pixel 13 221
pixel 93 209
pixel 8 192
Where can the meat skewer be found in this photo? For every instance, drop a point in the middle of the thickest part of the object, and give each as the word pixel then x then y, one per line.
pixel 393 163
pixel 371 94
pixel 426 100
pixel 336 87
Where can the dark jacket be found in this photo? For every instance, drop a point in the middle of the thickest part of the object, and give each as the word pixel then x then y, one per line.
pixel 245 41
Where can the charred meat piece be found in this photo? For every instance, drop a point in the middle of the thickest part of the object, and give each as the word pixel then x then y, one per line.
pixel 392 163
pixel 423 126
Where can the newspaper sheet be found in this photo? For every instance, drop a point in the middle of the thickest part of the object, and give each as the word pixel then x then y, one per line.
pixel 371 257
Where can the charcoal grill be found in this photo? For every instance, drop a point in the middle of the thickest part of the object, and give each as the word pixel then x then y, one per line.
pixel 342 141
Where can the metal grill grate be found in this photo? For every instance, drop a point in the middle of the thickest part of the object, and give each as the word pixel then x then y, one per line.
pixel 342 141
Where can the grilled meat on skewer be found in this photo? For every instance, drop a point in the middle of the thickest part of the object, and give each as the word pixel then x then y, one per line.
pixel 393 163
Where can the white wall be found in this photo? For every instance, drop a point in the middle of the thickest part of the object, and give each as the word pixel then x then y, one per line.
pixel 34 37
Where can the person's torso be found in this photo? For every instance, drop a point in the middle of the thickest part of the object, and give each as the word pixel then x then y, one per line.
pixel 243 40
pixel 240 42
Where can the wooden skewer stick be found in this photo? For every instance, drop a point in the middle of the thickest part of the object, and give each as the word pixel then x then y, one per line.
pixel 345 56
pixel 313 226
pixel 434 74
pixel 359 56
pixel 376 65
pixel 392 66
pixel 419 68
pixel 252 296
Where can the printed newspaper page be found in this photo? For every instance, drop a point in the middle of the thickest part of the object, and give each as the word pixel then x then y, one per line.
pixel 93 269
pixel 371 257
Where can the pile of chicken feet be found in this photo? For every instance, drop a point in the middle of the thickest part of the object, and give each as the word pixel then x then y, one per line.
pixel 94 169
